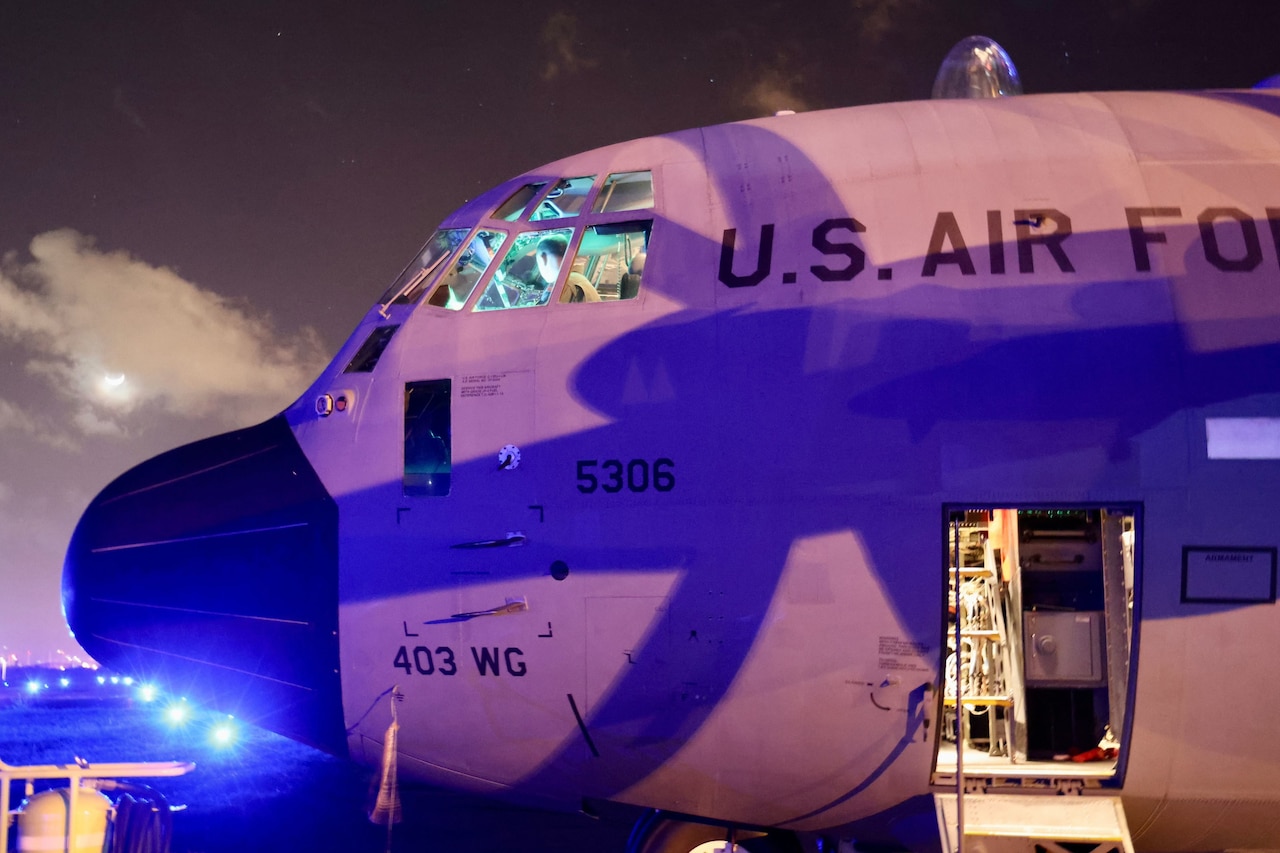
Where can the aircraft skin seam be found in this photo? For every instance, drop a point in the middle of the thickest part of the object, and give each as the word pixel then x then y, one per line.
pixel 201 612
pixel 202 662
pixel 189 476
pixel 226 534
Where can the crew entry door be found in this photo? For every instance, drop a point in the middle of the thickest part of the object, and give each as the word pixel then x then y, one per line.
pixel 1039 637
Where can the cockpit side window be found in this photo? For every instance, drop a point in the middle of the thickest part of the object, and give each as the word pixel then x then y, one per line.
pixel 428 455
pixel 565 199
pixel 625 191
pixel 411 283
pixel 366 358
pixel 456 285
pixel 527 274
pixel 610 261
pixel 514 207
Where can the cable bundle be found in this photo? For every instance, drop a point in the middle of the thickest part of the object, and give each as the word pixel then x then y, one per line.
pixel 143 822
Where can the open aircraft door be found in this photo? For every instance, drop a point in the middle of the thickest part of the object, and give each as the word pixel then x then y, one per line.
pixel 1037 675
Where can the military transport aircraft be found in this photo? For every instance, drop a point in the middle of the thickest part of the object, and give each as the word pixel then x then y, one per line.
pixel 864 474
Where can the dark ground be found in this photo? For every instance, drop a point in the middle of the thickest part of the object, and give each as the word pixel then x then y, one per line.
pixel 269 793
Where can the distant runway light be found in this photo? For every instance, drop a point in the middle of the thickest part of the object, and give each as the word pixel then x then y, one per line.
pixel 128 681
pixel 102 679
pixel 65 682
pixel 147 692
pixel 224 734
pixel 176 713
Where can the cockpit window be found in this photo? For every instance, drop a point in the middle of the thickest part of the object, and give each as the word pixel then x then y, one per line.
pixel 428 455
pixel 528 272
pixel 513 208
pixel 565 199
pixel 366 358
pixel 456 285
pixel 412 282
pixel 625 191
pixel 610 261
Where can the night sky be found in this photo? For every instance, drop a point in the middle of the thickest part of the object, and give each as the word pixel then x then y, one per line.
pixel 199 200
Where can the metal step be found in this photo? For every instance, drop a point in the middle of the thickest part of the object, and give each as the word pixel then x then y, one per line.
pixel 1034 823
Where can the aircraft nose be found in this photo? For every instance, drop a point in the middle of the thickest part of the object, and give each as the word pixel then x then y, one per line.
pixel 213 570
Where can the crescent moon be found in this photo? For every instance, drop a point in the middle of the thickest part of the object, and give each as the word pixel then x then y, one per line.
pixel 115 380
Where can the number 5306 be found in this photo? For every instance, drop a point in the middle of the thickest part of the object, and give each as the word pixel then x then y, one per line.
pixel 635 475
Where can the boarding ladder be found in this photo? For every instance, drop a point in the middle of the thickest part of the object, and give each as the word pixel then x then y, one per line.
pixel 1041 822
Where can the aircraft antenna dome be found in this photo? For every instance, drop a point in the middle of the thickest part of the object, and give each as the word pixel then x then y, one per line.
pixel 976 67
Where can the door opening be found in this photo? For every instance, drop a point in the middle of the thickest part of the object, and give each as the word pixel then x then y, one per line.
pixel 1039 635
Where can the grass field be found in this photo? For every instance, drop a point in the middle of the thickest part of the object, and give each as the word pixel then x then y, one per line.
pixel 265 792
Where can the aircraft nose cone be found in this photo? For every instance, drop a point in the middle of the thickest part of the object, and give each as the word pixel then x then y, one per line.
pixel 213 570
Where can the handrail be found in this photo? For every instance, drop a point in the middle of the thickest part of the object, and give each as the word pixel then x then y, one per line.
pixel 960 709
pixel 75 774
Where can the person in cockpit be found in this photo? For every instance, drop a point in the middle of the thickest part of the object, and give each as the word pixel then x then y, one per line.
pixel 550 257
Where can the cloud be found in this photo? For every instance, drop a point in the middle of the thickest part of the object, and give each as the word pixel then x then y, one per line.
pixel 35 528
pixel 876 19
pixel 775 89
pixel 15 419
pixel 561 42
pixel 111 333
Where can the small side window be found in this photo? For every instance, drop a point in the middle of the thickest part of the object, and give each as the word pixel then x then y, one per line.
pixel 412 282
pixel 625 191
pixel 565 199
pixel 527 274
pixel 428 455
pixel 515 205
pixel 366 358
pixel 456 285
pixel 610 261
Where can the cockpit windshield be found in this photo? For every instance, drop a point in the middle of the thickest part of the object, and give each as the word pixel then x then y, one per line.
pixel 565 199
pixel 528 272
pixel 625 191
pixel 456 285
pixel 411 284
pixel 514 207
pixel 597 255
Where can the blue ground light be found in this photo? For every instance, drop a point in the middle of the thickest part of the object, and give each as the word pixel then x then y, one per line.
pixel 253 790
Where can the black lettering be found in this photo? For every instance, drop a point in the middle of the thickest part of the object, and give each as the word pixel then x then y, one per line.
pixel 447 666
pixel 614 466
pixel 857 257
pixel 945 227
pixel 402 660
pixel 518 668
pixel 1248 231
pixel 586 480
pixel 418 652
pixel 486 659
pixel 640 482
pixel 764 258
pixel 664 479
pixel 1139 237
pixel 1051 241
pixel 1273 222
pixel 995 242
pixel 637 475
